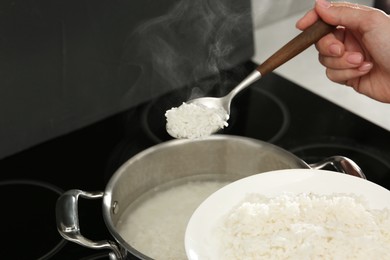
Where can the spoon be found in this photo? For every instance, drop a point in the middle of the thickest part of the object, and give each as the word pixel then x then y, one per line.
pixel 219 108
pixel 298 44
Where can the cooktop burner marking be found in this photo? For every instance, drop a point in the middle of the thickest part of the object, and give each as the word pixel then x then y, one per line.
pixel 39 184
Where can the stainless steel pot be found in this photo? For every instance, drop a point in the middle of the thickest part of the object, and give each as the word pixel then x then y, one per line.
pixel 220 154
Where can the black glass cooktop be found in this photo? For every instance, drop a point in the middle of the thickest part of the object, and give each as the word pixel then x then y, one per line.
pixel 273 110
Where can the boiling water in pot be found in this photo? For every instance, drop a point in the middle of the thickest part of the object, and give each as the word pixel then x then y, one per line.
pixel 155 223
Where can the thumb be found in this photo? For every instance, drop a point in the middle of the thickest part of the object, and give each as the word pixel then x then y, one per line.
pixel 349 15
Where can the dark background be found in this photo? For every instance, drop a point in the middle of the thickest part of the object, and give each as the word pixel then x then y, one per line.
pixel 67 64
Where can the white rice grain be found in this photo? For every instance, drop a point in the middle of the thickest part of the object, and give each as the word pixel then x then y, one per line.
pixel 193 121
pixel 157 226
pixel 304 226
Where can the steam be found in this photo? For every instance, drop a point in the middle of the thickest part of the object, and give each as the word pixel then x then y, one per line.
pixel 193 40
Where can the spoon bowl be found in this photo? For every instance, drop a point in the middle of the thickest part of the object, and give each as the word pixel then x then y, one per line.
pixel 225 101
pixel 213 102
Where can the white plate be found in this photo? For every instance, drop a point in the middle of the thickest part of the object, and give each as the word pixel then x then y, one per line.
pixel 200 241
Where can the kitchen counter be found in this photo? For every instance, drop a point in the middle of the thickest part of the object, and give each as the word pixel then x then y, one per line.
pixel 306 71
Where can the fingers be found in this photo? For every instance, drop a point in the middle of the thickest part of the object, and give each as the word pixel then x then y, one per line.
pixel 331 45
pixel 348 60
pixel 341 53
pixel 352 16
pixel 346 76
pixel 308 19
pixel 342 65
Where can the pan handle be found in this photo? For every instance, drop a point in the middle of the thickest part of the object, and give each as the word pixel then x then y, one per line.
pixel 341 164
pixel 68 222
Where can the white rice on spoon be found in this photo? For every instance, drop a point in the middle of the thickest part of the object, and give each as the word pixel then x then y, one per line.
pixel 193 121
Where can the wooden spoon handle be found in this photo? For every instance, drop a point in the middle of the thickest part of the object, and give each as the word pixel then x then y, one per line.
pixel 300 43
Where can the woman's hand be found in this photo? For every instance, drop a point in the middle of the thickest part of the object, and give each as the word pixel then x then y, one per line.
pixel 357 53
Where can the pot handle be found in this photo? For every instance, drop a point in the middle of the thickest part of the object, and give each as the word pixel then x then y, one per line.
pixel 341 164
pixel 68 222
